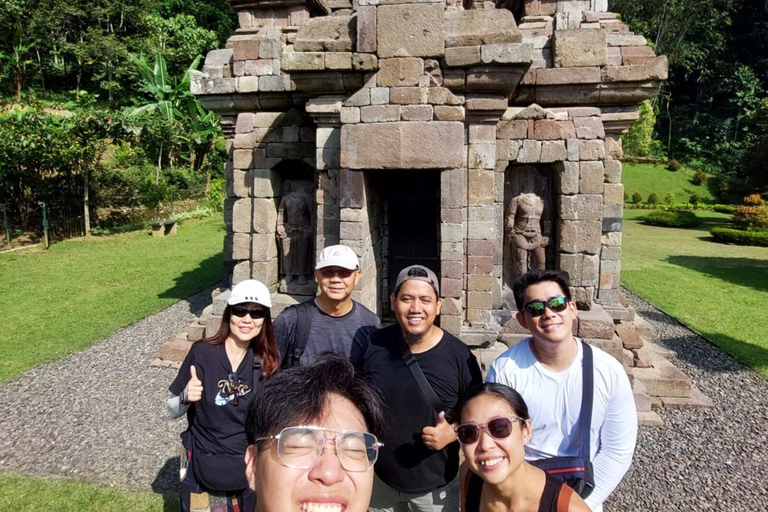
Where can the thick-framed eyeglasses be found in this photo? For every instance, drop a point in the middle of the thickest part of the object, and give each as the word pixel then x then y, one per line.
pixel 536 307
pixel 300 447
pixel 498 428
pixel 240 312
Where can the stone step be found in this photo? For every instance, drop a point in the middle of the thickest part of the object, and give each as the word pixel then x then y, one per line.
pixel 196 331
pixel 486 356
pixel 649 419
pixel 595 323
pixel 642 400
pixel 175 349
pixel 629 335
pixel 697 400
pixel 612 346
pixel 664 380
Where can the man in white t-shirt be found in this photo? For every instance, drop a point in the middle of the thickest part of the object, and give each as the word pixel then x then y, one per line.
pixel 546 369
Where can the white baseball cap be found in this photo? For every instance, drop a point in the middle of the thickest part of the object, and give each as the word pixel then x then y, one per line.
pixel 337 256
pixel 250 290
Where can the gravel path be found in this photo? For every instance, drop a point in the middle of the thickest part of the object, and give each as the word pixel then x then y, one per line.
pixel 713 459
pixel 99 415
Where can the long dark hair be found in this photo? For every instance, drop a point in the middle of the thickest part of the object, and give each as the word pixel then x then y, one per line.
pixel 263 345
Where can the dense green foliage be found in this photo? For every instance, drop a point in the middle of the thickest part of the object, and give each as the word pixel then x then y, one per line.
pixel 98 286
pixel 638 141
pixel 713 110
pixel 671 219
pixel 740 236
pixel 681 270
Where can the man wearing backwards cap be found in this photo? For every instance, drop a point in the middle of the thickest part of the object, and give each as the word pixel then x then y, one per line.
pixel 330 321
pixel 419 462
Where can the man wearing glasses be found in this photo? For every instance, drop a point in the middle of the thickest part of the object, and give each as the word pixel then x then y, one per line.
pixel 332 321
pixel 312 435
pixel 422 371
pixel 546 369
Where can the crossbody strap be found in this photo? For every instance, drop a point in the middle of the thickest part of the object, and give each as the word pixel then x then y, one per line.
pixel 587 392
pixel 426 389
pixel 256 371
pixel 301 334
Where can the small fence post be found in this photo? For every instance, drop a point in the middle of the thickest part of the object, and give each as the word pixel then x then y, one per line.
pixel 45 224
pixel 5 225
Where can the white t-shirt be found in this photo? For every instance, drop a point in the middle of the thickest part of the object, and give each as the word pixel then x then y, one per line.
pixel 554 403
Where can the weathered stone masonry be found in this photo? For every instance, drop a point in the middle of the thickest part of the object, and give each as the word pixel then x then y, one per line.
pixel 418 121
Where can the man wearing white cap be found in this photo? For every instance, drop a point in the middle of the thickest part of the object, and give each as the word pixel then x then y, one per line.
pixel 330 321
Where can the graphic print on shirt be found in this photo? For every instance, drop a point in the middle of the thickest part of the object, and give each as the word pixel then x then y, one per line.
pixel 230 391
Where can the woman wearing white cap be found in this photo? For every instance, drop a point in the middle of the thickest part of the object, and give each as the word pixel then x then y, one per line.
pixel 213 387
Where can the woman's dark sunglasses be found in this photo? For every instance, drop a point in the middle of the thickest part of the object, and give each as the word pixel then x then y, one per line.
pixel 498 428
pixel 255 313
pixel 556 304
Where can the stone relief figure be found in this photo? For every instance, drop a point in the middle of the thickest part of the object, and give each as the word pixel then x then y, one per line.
pixel 295 230
pixel 528 227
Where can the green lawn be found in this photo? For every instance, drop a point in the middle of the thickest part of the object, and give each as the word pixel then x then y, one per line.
pixel 59 301
pixel 31 494
pixel 718 290
pixel 650 178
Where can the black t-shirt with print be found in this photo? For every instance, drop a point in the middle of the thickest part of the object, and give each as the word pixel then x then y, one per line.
pixel 218 426
pixel 405 463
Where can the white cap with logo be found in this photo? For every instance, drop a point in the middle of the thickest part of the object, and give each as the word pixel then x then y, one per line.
pixel 337 256
pixel 250 290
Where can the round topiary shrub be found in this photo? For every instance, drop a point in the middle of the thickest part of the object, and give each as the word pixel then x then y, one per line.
pixel 740 236
pixel 653 199
pixel 669 198
pixel 694 199
pixel 674 166
pixel 699 178
pixel 671 219
pixel 637 198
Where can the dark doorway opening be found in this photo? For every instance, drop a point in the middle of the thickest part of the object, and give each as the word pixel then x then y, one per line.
pixel 412 201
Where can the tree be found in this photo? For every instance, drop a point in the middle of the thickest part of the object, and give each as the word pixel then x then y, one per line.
pixel 17 60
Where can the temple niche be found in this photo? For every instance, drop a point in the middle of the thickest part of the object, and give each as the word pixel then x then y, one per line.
pixel 528 223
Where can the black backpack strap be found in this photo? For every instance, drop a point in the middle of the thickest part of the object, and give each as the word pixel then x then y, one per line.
pixel 473 492
pixel 301 333
pixel 426 389
pixel 257 367
pixel 585 415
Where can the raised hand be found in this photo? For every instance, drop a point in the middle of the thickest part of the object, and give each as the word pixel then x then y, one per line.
pixel 194 386
pixel 439 436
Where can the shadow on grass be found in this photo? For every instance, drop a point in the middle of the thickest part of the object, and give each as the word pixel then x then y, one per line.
pixel 166 484
pixel 711 351
pixel 748 272
pixel 207 273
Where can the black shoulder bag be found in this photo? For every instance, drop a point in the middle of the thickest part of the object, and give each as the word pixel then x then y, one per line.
pixel 426 388
pixel 576 472
pixel 300 335
pixel 223 473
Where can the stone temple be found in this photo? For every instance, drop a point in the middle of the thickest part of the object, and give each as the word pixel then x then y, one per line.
pixel 480 139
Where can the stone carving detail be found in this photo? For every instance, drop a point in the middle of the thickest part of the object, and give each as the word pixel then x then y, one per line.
pixel 295 230
pixel 528 222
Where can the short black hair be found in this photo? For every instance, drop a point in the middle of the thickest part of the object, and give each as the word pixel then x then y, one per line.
pixel 298 396
pixel 506 393
pixel 537 276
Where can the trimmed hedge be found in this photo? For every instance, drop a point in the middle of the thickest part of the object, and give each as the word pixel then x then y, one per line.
pixel 740 236
pixel 671 219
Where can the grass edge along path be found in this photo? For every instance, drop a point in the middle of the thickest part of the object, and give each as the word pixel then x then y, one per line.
pixel 714 289
pixel 61 300
pixel 21 493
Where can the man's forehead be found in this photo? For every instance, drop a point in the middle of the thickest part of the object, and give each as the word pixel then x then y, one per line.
pixel 542 290
pixel 417 288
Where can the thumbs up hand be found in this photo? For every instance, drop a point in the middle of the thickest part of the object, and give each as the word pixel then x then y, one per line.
pixel 194 386
pixel 439 436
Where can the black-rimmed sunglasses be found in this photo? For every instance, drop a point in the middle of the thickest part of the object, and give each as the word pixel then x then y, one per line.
pixel 556 304
pixel 240 311
pixel 498 428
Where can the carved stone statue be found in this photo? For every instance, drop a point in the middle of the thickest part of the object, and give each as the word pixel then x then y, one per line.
pixel 295 229
pixel 528 228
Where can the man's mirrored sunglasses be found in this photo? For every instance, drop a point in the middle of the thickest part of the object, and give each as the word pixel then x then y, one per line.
pixel 240 311
pixel 498 428
pixel 300 447
pixel 556 304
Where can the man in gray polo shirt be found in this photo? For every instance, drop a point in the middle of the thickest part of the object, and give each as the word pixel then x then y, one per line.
pixel 331 320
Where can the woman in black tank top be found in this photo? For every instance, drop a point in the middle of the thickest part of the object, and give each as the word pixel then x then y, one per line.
pixel 494 427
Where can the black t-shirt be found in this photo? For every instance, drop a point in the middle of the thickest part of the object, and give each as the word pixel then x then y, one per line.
pixel 217 426
pixel 347 334
pixel 405 463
